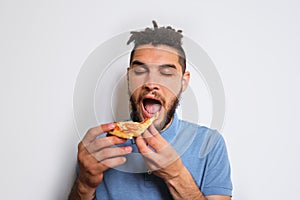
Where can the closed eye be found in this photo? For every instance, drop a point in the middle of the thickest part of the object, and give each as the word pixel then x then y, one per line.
pixel 139 67
pixel 138 70
pixel 168 70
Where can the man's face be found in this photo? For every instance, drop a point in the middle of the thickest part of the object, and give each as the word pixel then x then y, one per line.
pixel 155 82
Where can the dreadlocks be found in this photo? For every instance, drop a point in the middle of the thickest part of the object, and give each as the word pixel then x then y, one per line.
pixel 159 36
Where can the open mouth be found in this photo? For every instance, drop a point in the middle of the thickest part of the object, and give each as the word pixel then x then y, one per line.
pixel 151 106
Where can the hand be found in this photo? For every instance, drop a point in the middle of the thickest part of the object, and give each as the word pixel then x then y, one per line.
pixel 159 155
pixel 96 155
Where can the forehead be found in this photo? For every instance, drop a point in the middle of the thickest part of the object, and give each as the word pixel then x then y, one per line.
pixel 156 55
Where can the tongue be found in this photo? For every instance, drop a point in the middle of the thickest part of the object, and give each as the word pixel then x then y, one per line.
pixel 152 108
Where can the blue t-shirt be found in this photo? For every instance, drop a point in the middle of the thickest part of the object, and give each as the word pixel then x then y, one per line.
pixel 202 151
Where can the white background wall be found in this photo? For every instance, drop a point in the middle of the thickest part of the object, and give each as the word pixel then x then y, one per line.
pixel 254 45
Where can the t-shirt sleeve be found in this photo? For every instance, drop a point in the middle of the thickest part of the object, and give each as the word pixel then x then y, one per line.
pixel 217 180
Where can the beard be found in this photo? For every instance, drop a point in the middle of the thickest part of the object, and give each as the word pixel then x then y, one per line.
pixel 136 115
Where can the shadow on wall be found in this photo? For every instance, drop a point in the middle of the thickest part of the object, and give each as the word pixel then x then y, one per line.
pixel 120 101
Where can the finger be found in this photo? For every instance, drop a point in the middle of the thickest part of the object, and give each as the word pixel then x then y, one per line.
pixel 113 162
pixel 142 145
pixel 150 156
pixel 104 142
pixel 150 132
pixel 154 131
pixel 112 152
pixel 155 142
pixel 98 130
pixel 104 165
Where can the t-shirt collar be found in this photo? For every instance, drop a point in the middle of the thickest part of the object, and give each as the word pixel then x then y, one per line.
pixel 171 132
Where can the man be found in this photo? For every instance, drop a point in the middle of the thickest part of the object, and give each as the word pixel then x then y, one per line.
pixel 173 159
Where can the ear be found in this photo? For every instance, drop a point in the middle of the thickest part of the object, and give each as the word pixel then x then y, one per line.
pixel 185 80
pixel 127 74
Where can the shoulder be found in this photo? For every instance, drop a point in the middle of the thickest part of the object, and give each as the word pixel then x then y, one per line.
pixel 207 139
pixel 201 131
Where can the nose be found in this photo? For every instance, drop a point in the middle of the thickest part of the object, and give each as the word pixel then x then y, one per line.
pixel 151 86
pixel 151 82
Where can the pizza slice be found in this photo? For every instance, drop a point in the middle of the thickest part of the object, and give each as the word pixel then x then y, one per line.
pixel 131 129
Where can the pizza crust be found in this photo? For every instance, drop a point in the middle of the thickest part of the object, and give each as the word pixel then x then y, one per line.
pixel 130 129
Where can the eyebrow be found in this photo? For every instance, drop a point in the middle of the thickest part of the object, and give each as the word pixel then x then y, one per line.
pixel 136 62
pixel 139 63
pixel 168 66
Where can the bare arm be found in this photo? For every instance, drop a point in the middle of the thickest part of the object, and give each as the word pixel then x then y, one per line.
pixel 183 186
pixel 79 192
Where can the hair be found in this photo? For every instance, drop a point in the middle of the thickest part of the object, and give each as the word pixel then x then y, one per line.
pixel 159 36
